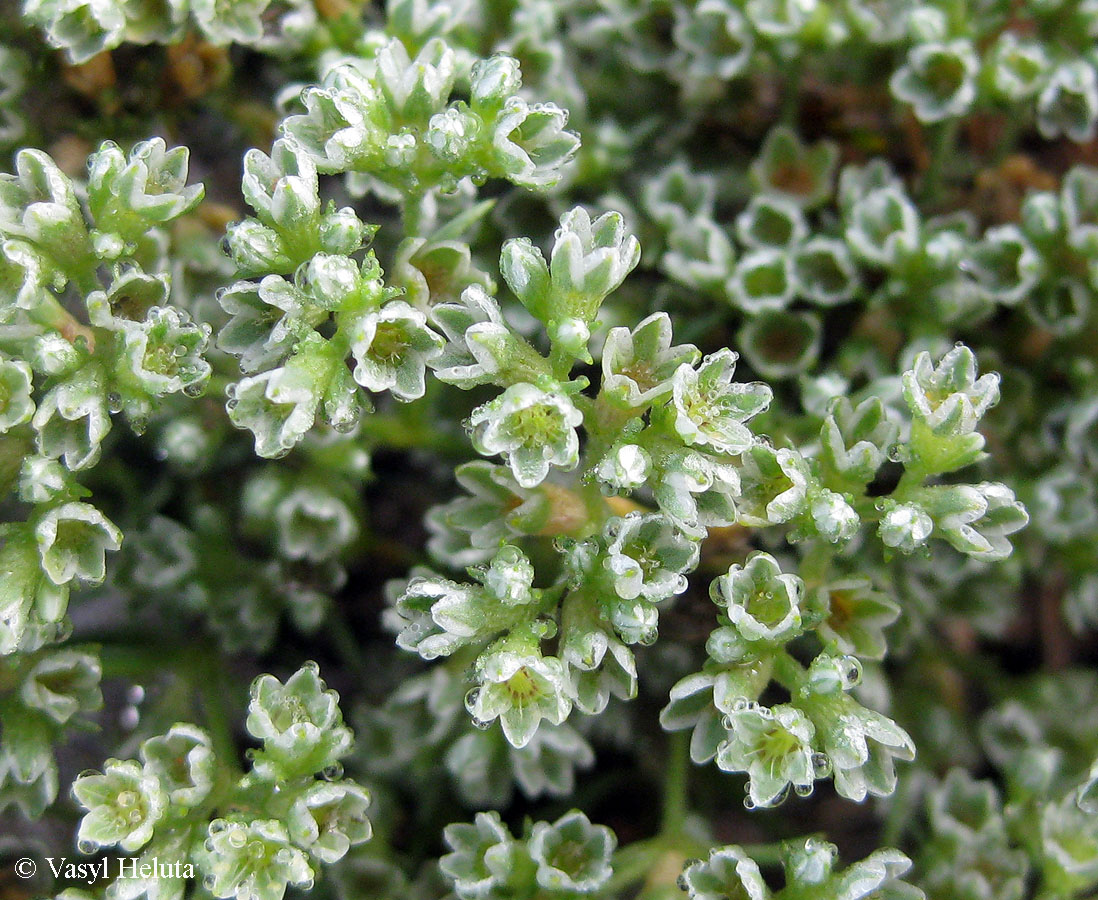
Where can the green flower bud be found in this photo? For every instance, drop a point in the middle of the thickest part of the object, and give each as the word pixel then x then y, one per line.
pixel 123 805
pixel 761 603
pixel 775 486
pixel 1068 103
pixel 183 761
pixel 416 88
pixel 856 440
pixel 859 743
pixel 83 29
pixel 72 419
pixel 938 80
pixel 127 196
pixel 708 409
pixel 329 818
pixel 533 428
pixel 771 221
pixel 948 399
pixel 786 166
pixel 32 607
pixel 299 723
pixel 314 524
pixel 252 859
pixel 474 865
pixel 675 196
pixel 728 872
pixel 1018 67
pixel 762 280
pixel 696 491
pixel 392 347
pixel 883 226
pixel 38 205
pixel 699 255
pixel 625 467
pixel 572 854
pixel 62 684
pixel 279 407
pixel 638 365
pixel 346 122
pixel 16 384
pixel 479 343
pixel 465 531
pixel 493 80
pixel 824 272
pixel 529 143
pixel 520 688
pixel 596 662
pixel 646 557
pixel 975 519
pixel 72 541
pixel 854 616
pixel 780 343
pixel 1004 264
pixel 716 39
pixel 904 526
pixel 774 748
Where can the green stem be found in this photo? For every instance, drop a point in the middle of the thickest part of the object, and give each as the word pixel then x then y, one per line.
pixel 788 672
pixel 675 784
pixel 350 652
pixel 791 95
pixel 214 698
pixel 943 144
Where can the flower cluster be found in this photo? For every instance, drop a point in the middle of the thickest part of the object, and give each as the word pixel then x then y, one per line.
pixel 86 27
pixel 809 872
pixel 268 831
pixel 42 694
pixel 803 327
pixel 568 858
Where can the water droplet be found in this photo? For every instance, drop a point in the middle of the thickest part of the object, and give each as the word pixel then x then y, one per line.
pixel 237 838
pixel 138 424
pixel 482 724
pixel 208 883
pixel 682 884
pixel 333 772
pixel 306 885
pixel 114 402
pixel 87 847
pixel 741 704
pixel 803 790
pixel 256 850
pixel 218 825
pixel 195 389
pixel 821 765
pixel 852 672
pixel 748 803
pixel 471 698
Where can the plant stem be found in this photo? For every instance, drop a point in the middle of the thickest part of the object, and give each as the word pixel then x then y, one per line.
pixel 675 784
pixel 943 144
